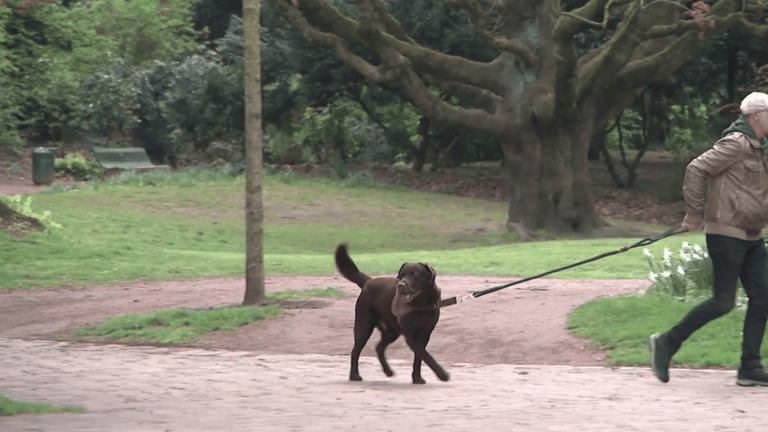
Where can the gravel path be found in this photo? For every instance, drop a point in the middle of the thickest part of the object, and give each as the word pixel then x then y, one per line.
pixel 158 389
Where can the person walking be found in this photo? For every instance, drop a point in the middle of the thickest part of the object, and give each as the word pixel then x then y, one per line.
pixel 734 212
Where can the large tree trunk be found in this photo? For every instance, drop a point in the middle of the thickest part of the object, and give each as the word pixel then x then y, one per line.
pixel 547 141
pixel 254 207
pixel 541 96
pixel 550 181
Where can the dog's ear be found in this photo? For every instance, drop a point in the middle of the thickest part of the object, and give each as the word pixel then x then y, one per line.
pixel 400 272
pixel 432 273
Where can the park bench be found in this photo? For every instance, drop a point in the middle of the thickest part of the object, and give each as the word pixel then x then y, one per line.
pixel 126 158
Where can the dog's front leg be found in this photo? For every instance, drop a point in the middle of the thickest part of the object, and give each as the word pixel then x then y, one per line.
pixel 416 374
pixel 417 340
pixel 354 372
pixel 420 353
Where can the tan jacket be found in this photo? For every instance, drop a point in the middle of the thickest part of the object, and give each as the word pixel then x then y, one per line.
pixel 736 171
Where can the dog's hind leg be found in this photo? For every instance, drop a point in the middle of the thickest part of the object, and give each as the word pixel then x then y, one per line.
pixel 363 330
pixel 387 337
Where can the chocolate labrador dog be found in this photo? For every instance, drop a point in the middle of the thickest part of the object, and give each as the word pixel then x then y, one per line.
pixel 408 304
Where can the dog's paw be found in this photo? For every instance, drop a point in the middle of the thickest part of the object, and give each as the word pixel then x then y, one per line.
pixel 355 378
pixel 443 375
pixel 388 372
pixel 417 379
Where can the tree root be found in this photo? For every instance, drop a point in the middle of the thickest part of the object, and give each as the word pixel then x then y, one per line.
pixel 523 234
pixel 605 230
pixel 17 223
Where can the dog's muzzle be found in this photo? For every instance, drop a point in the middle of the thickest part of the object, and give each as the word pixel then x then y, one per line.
pixel 406 290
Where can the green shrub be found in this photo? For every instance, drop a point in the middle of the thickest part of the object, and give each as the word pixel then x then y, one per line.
pixel 689 133
pixel 77 166
pixel 362 179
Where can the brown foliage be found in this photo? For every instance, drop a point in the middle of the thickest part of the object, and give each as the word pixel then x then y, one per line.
pixel 26 4
pixel 697 11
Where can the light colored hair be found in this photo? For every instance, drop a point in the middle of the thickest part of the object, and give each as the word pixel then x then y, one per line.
pixel 754 102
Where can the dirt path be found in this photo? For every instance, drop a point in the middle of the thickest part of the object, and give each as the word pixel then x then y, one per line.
pixel 141 389
pixel 513 366
pixel 22 184
pixel 526 325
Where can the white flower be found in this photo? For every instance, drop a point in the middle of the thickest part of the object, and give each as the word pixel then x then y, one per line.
pixel 685 257
pixel 706 255
pixel 667 254
pixel 667 257
pixel 698 249
pixel 686 245
pixel 666 274
pixel 681 270
pixel 695 256
pixel 652 277
pixel 647 253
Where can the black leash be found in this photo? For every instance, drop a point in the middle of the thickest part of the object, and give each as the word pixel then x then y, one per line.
pixel 644 242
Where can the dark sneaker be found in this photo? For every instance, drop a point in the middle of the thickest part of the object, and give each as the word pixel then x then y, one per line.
pixel 661 355
pixel 754 377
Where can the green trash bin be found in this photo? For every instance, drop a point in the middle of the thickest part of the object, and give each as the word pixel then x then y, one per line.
pixel 42 166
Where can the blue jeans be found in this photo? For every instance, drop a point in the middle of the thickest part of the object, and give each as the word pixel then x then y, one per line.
pixel 732 259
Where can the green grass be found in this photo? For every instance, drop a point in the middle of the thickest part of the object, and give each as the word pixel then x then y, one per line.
pixel 187 225
pixel 623 325
pixel 173 326
pixel 330 292
pixel 176 225
pixel 9 407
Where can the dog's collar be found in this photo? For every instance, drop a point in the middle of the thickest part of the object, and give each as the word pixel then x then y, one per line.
pixel 418 307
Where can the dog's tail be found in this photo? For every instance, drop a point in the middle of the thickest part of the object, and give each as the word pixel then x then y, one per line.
pixel 347 267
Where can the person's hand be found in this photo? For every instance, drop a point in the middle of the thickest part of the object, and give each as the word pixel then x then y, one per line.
pixel 690 226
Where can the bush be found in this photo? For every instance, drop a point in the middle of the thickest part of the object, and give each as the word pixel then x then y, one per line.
pixel 689 133
pixel 77 166
pixel 182 178
pixel 110 101
pixel 285 176
pixel 325 131
pixel 165 107
pixel 224 153
pixel 688 278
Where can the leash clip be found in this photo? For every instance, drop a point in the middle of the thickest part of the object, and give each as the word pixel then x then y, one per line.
pixel 450 301
pixel 466 297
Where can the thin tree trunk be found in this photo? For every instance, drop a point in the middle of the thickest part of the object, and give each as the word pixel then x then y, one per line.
pixel 733 64
pixel 646 117
pixel 254 207
pixel 420 151
pixel 600 139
